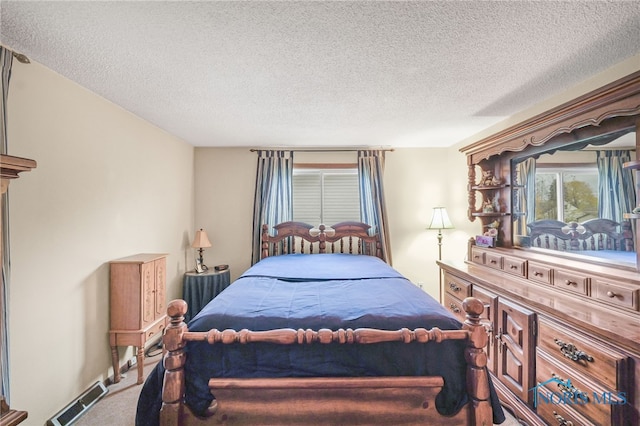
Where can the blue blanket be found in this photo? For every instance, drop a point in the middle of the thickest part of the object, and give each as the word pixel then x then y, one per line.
pixel 322 291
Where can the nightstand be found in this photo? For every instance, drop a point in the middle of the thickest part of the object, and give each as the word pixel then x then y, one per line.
pixel 200 289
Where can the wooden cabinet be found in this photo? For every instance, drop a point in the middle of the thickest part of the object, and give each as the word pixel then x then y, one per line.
pixel 490 302
pixel 137 304
pixel 516 348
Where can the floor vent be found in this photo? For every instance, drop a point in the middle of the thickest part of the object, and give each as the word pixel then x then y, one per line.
pixel 77 408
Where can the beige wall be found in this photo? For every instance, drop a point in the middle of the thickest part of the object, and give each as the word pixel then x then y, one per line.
pixel 107 185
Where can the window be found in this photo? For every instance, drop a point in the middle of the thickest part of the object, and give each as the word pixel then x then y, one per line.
pixel 568 195
pixel 325 195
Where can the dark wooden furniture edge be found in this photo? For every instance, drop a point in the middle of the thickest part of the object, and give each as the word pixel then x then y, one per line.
pixel 177 335
pixel 10 168
pixel 10 417
pixel 617 99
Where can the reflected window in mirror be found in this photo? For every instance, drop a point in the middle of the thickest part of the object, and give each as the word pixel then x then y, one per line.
pixel 567 194
pixel 574 199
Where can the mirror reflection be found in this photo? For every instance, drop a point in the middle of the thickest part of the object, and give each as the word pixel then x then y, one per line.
pixel 579 198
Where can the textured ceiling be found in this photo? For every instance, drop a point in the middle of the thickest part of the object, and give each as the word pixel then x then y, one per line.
pixel 403 74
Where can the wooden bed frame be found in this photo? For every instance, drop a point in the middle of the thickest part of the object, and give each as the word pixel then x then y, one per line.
pixel 325 400
pixel 594 234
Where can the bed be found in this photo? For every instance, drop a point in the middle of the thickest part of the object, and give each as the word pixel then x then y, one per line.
pixel 321 331
pixel 602 238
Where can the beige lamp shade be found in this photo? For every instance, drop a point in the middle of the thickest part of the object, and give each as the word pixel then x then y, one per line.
pixel 440 219
pixel 201 240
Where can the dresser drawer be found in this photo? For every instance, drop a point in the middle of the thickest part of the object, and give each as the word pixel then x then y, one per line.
pixel 493 260
pixel 560 414
pixel 514 265
pixel 155 330
pixel 563 386
pixel 456 287
pixel 540 273
pixel 584 355
pixel 571 281
pixel 615 294
pixel 455 307
pixel 477 255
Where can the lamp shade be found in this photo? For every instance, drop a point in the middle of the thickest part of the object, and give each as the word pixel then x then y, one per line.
pixel 440 219
pixel 201 240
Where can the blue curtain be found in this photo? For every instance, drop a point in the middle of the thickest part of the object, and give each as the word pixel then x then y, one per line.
pixel 273 202
pixel 6 60
pixel 372 201
pixel 616 187
pixel 527 194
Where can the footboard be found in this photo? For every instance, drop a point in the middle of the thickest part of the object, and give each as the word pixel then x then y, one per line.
pixel 326 400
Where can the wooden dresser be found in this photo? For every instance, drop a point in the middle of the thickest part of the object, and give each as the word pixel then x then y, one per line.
pixel 564 327
pixel 137 305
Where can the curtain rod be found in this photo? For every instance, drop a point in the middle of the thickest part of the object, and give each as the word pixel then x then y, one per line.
pixel 19 56
pixel 321 149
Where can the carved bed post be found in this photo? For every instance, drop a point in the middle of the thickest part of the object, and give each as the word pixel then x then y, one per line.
pixel 477 375
pixel 174 359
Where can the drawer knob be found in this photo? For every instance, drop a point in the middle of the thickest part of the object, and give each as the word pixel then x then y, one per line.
pixel 493 261
pixel 611 294
pixel 569 282
pixel 454 308
pixel 538 273
pixel 561 420
pixel 513 266
pixel 570 351
pixel 454 287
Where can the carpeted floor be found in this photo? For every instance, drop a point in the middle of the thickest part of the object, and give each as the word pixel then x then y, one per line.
pixel 118 407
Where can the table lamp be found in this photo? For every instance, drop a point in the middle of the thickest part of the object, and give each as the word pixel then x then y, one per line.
pixel 201 241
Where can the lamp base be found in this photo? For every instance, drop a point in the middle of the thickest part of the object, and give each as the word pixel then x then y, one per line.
pixel 200 266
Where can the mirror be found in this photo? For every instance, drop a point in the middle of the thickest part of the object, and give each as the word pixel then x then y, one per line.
pixel 578 197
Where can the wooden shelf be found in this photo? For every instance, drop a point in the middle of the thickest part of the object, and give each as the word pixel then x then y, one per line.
pixel 488 187
pixel 633 165
pixel 480 214
pixel 631 215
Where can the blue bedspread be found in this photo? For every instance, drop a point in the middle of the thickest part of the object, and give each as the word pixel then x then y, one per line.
pixel 321 291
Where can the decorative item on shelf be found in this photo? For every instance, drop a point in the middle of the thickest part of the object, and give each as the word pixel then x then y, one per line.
pixel 484 241
pixel 489 179
pixel 201 241
pixel 636 210
pixel 487 207
pixel 492 231
pixel 440 220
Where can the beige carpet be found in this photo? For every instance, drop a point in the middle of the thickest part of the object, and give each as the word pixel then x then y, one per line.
pixel 118 407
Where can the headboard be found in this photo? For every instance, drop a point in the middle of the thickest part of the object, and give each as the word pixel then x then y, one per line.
pixel 594 234
pixel 299 237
